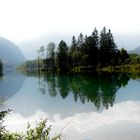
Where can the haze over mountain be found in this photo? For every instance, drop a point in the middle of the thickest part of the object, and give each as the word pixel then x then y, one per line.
pixel 45 21
pixel 135 51
pixel 29 47
pixel 10 53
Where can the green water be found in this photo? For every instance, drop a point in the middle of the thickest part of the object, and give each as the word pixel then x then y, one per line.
pixel 100 107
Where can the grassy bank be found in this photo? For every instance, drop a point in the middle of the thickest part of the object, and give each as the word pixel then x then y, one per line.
pixel 32 66
pixel 123 68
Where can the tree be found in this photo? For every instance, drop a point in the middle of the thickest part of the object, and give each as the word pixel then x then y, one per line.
pixel 80 41
pixel 42 52
pixel 91 48
pixel 102 51
pixel 123 56
pixel 108 48
pixel 62 56
pixel 133 59
pixel 76 50
pixel 51 55
pixel 72 49
pixel 76 57
pixel 74 43
pixel 41 56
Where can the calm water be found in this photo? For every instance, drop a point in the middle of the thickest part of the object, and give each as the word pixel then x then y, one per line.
pixel 103 107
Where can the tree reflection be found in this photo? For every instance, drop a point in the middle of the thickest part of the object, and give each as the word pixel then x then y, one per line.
pixel 100 89
pixel 1 75
pixel 63 85
pixel 108 89
pixel 51 82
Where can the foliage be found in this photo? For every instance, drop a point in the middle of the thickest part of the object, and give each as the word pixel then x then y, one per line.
pixel 90 50
pixel 127 68
pixel 62 57
pixel 94 51
pixel 99 89
pixel 50 60
pixel 134 59
pixel 107 48
pixel 123 56
pixel 2 128
pixel 40 132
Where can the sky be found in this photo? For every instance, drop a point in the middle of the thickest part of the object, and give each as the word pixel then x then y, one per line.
pixel 23 21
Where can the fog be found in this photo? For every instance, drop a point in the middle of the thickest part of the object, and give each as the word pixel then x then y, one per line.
pixel 30 24
pixel 30 47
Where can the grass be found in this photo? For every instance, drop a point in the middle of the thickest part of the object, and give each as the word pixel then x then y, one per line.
pixel 122 69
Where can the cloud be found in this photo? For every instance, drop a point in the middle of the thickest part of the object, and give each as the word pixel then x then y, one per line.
pixel 122 120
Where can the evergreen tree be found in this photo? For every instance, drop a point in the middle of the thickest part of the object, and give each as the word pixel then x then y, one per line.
pixel 41 58
pixel 108 48
pixel 75 51
pixel 51 55
pixel 91 48
pixel 74 43
pixel 123 56
pixel 102 51
pixel 80 41
pixel 72 50
pixel 62 56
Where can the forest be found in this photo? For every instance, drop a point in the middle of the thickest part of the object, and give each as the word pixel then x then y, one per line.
pixel 85 54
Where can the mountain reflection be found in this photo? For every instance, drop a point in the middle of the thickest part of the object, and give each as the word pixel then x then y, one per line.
pixel 99 89
pixel 10 84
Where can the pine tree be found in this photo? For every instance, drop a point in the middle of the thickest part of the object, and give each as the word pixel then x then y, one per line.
pixel 62 56
pixel 51 55
pixel 108 48
pixel 80 41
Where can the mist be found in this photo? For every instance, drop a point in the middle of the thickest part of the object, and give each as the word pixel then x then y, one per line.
pixel 29 47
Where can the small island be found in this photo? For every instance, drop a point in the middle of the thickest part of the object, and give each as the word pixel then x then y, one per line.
pixel 86 54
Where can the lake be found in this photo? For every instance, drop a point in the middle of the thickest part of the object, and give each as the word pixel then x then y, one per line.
pixel 88 107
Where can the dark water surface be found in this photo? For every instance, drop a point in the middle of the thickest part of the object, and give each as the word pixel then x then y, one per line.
pixel 94 107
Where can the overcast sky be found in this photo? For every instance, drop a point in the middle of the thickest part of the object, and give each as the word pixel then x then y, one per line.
pixel 22 20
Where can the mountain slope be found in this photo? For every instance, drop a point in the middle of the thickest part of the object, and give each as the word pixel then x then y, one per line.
pixel 135 51
pixel 10 53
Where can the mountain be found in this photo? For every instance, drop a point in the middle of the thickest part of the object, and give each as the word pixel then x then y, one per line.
pixel 135 51
pixel 30 47
pixel 10 53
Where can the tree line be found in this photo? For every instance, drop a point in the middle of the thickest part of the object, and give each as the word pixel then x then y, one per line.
pixel 99 89
pixel 93 51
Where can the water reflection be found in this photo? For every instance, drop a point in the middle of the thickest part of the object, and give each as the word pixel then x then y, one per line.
pixel 121 122
pixel 98 89
pixel 77 98
pixel 10 84
pixel 1 75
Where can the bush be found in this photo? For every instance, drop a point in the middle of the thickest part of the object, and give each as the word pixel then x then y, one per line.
pixel 40 132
